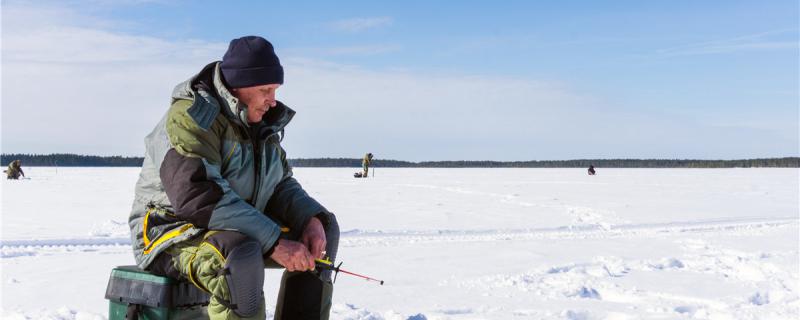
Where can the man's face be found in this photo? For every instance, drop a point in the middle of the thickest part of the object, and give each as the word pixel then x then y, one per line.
pixel 258 100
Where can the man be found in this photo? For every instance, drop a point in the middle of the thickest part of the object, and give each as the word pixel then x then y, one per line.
pixel 365 164
pixel 216 201
pixel 591 170
pixel 14 170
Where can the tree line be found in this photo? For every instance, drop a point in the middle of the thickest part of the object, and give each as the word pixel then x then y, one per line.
pixel 70 160
pixel 76 160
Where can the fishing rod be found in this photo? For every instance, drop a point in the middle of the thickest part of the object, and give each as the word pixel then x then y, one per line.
pixel 328 265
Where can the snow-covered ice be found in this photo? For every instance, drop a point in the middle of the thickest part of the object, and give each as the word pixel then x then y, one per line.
pixel 462 243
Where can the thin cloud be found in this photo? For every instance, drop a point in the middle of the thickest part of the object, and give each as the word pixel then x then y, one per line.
pixel 769 40
pixel 108 89
pixel 93 78
pixel 362 24
pixel 71 37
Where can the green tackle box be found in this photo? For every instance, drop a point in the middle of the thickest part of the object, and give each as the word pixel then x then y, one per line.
pixel 137 294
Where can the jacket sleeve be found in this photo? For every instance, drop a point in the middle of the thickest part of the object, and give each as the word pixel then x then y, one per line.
pixel 292 204
pixel 192 179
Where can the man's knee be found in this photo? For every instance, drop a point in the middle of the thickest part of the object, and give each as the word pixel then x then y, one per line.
pixel 243 271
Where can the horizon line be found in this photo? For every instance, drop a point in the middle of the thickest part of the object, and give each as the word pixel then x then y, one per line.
pixel 3 155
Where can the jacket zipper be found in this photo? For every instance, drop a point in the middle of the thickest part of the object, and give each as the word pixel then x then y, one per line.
pixel 257 169
pixel 257 150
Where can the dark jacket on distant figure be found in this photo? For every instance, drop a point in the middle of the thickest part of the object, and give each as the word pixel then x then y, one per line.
pixel 14 170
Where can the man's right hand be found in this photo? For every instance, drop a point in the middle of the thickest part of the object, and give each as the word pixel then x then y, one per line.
pixel 292 255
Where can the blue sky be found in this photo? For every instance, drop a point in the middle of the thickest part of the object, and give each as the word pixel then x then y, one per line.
pixel 424 80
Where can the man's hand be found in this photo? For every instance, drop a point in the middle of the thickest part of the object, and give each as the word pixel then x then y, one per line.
pixel 292 255
pixel 314 238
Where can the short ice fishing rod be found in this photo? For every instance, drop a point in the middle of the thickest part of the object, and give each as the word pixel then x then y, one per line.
pixel 326 264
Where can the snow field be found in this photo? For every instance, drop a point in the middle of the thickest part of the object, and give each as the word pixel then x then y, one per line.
pixel 462 243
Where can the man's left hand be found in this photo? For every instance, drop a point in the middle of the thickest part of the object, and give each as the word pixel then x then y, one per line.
pixel 314 238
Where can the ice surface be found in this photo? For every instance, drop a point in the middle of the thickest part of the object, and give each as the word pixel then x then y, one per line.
pixel 461 243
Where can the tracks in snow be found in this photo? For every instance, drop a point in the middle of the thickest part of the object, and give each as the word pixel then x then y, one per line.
pixel 722 226
pixel 355 238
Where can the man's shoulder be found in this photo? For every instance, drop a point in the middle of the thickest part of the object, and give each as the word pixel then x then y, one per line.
pixel 195 129
pixel 197 113
pixel 193 100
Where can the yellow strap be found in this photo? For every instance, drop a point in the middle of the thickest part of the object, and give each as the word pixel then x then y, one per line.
pixel 169 235
pixel 208 244
pixel 324 261
pixel 144 228
pixel 191 275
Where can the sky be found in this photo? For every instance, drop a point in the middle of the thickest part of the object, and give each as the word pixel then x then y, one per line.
pixel 421 80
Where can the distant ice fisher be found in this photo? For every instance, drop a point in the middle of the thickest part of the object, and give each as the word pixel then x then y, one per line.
pixel 365 163
pixel 14 170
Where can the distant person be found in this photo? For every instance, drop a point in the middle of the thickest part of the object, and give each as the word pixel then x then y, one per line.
pixel 14 170
pixel 591 170
pixel 365 164
pixel 216 201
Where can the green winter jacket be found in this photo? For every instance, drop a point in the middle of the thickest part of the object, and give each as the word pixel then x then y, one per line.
pixel 205 168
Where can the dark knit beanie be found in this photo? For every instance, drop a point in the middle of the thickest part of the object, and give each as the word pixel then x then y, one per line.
pixel 251 61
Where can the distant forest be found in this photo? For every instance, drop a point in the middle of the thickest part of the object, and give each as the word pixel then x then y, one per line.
pixel 75 160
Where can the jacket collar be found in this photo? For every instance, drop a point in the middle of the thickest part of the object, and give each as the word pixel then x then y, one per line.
pixel 226 98
pixel 208 85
